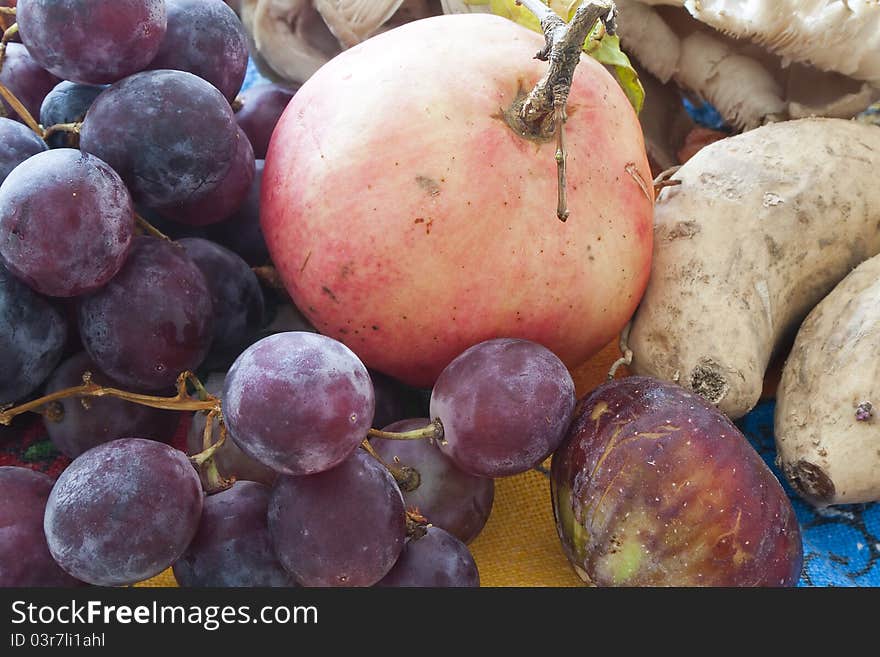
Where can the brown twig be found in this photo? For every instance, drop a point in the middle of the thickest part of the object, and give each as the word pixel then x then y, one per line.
pixel 71 128
pixel 407 478
pixel 542 112
pixel 180 402
pixel 433 431
pixel 150 229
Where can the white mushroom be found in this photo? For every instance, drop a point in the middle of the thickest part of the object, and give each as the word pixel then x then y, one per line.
pixel 291 39
pixel 353 21
pixel 762 59
pixel 289 36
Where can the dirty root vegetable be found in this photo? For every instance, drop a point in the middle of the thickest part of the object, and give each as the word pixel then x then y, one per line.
pixel 655 487
pixel 762 226
pixel 826 431
pixel 414 142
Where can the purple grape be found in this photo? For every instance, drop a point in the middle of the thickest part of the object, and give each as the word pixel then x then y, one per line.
pixel 19 143
pixel 242 232
pixel 505 406
pixel 261 107
pixel 227 197
pixel 437 559
pixel 152 321
pixel 235 292
pixel 342 527
pixel 76 425
pixel 457 501
pixel 25 79
pixel 395 401
pixel 123 512
pixel 205 37
pixel 92 41
pixel 229 459
pixel 68 102
pixel 169 134
pixel 232 546
pixel 32 337
pixel 66 222
pixel 298 402
pixel 24 555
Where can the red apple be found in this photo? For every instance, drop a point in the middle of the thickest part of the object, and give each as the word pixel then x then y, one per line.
pixel 410 221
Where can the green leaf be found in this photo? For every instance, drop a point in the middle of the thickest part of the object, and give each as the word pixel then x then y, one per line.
pixel 605 50
pixel 608 52
pixel 517 13
pixel 41 451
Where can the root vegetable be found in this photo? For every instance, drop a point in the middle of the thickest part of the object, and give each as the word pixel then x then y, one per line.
pixel 762 226
pixel 827 435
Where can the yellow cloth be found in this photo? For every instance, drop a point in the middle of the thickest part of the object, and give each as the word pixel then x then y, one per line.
pixel 519 545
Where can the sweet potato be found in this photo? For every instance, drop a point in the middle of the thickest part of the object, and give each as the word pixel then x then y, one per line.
pixel 827 437
pixel 761 228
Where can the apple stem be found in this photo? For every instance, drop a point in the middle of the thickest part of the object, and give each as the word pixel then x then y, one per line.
pixel 542 112
pixel 433 431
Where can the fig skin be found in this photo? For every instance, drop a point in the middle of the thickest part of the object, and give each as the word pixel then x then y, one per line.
pixel 654 486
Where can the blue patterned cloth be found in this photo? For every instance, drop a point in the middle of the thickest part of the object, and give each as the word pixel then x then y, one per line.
pixel 842 544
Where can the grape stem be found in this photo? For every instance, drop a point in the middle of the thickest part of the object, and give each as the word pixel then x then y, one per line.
pixel 433 431
pixel 541 114
pixel 416 524
pixel 72 128
pixel 204 461
pixel 182 401
pixel 8 33
pixel 21 110
pixel 150 229
pixel 407 478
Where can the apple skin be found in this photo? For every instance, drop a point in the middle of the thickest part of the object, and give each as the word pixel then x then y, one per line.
pixel 409 221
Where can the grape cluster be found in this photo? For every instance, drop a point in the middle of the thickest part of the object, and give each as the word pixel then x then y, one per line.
pixel 106 313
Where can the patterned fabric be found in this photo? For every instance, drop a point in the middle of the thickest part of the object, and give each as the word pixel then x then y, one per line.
pixel 841 544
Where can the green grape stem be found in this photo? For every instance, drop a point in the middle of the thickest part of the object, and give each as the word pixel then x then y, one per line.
pixel 433 431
